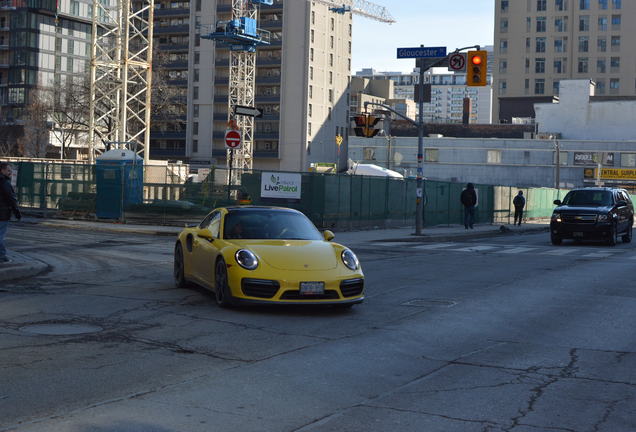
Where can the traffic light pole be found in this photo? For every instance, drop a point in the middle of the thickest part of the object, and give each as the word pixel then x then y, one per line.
pixel 419 201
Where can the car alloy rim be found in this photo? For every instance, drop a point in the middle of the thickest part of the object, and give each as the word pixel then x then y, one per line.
pixel 220 281
pixel 178 264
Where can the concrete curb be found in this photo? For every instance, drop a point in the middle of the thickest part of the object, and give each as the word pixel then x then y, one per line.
pixel 462 235
pixel 113 229
pixel 22 270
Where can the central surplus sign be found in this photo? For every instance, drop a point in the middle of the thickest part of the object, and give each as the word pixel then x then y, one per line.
pixel 280 185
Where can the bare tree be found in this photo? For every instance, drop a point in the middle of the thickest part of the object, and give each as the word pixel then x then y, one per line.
pixel 68 105
pixel 35 140
pixel 169 104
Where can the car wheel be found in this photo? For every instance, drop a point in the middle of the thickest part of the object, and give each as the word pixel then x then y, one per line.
pixel 222 290
pixel 556 240
pixel 179 268
pixel 613 236
pixel 627 237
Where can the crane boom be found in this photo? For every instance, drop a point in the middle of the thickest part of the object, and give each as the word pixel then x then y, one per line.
pixel 360 7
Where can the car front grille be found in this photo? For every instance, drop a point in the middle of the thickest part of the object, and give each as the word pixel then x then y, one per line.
pixel 295 295
pixel 262 288
pixel 579 218
pixel 351 287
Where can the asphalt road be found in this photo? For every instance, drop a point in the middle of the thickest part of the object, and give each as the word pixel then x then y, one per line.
pixel 505 334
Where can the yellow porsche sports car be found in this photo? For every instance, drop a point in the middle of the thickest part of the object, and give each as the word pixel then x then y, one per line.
pixel 265 255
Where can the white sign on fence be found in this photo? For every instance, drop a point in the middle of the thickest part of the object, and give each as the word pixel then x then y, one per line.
pixel 280 185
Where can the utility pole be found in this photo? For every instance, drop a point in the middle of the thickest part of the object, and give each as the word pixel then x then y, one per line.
pixel 419 209
pixel 557 169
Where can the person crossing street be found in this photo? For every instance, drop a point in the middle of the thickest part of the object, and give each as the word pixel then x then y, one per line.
pixel 8 206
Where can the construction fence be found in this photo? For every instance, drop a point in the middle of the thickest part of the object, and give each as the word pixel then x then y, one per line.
pixel 168 195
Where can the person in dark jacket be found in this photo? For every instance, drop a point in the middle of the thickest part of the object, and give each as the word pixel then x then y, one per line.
pixel 8 206
pixel 469 201
pixel 519 202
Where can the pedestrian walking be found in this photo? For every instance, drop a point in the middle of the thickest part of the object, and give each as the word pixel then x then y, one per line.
pixel 8 206
pixel 519 202
pixel 469 201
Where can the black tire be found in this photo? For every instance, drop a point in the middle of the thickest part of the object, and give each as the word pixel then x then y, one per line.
pixel 627 237
pixel 556 240
pixel 613 236
pixel 221 287
pixel 179 269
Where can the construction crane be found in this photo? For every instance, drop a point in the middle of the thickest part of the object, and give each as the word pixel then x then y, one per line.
pixel 242 36
pixel 121 74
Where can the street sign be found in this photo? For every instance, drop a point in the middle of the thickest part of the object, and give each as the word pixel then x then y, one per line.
pixel 457 62
pixel 420 52
pixel 232 139
pixel 247 111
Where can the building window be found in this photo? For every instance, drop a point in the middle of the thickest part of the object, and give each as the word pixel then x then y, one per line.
pixel 602 4
pixel 503 86
pixel 615 84
pixel 331 42
pixel 602 23
pixel 527 86
pixel 584 23
pixel 195 146
pixel 313 17
pixel 330 95
pixel 330 59
pixel 311 72
pixel 503 66
pixel 494 156
pixel 311 91
pixel 503 25
pixel 528 43
pixel 503 46
pixel 329 113
pixel 330 77
pixel 539 65
pixel 617 4
pixel 504 5
pixel 615 64
pixel 583 65
pixel 527 65
pixel 195 92
pixel 584 44
pixel 616 43
pixel 601 44
pixel 628 160
pixel 312 35
pixel 558 67
pixel 539 86
pixel 600 86
pixel 431 155
pixel 333 24
pixel 616 22
pixel 308 128
pixel 560 5
pixel 195 110
pixel 600 66
pixel 559 45
pixel 540 45
pixel 195 128
pixel 560 24
pixel 310 110
pixel 584 4
pixel 311 54
pixel 541 5
pixel 541 24
pixel 555 87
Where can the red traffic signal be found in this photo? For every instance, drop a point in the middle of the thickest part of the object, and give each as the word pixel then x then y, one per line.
pixel 365 125
pixel 476 73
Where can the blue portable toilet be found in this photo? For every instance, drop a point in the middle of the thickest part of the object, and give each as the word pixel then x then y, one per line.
pixel 120 182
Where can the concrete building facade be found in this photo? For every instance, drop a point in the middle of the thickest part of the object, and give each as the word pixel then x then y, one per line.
pixel 539 43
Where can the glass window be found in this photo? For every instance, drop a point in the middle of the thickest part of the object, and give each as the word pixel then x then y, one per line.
pixel 584 44
pixel 559 45
pixel 584 4
pixel 617 4
pixel 583 197
pixel 601 66
pixel 504 5
pixel 584 23
pixel 615 64
pixel 503 86
pixel 616 22
pixel 560 5
pixel 602 23
pixel 541 24
pixel 539 86
pixel 583 65
pixel 269 224
pixel 616 43
pixel 628 159
pixel 559 24
pixel 600 86
pixel 539 65
pixel 558 66
pixel 541 5
pixel 555 91
pixel 602 4
pixel 494 156
pixel 503 25
pixel 615 83
pixel 601 44
pixel 503 66
pixel 431 155
pixel 540 45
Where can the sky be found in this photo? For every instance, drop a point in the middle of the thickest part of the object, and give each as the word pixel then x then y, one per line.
pixel 434 23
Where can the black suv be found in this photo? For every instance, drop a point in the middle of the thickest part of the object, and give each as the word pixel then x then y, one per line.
pixel 593 213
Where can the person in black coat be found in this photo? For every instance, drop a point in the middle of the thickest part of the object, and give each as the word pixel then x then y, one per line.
pixel 469 201
pixel 8 206
pixel 519 202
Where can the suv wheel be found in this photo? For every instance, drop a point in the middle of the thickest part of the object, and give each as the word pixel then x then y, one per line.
pixel 613 236
pixel 627 237
pixel 556 240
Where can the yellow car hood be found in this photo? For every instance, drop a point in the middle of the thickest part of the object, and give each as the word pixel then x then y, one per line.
pixel 293 254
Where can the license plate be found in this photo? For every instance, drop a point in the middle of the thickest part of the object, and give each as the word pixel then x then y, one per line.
pixel 312 288
pixel 577 234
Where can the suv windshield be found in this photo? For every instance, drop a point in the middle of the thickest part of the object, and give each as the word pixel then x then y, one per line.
pixel 593 198
pixel 269 225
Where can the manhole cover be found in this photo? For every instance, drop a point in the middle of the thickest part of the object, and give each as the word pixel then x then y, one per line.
pixel 429 303
pixel 60 329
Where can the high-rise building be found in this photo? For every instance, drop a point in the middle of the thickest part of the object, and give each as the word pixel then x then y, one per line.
pixel 302 81
pixel 541 42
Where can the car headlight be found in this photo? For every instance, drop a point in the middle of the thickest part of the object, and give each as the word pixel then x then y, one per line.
pixel 602 218
pixel 556 217
pixel 246 259
pixel 350 260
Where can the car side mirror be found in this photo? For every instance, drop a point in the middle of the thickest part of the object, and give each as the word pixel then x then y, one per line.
pixel 328 235
pixel 557 202
pixel 206 234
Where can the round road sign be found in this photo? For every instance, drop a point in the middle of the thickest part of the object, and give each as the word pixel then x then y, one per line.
pixel 457 62
pixel 232 139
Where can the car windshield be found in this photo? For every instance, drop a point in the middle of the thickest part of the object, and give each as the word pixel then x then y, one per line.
pixel 269 225
pixel 595 198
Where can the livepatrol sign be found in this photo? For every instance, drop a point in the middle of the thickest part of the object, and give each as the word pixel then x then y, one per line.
pixel 421 52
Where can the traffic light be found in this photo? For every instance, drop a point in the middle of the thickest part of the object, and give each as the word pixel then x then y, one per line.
pixel 365 125
pixel 477 68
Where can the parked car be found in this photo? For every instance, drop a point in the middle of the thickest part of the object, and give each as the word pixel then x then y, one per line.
pixel 593 213
pixel 267 255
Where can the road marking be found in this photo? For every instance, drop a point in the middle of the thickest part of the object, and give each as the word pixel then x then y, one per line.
pixel 393 244
pixel 560 251
pixel 476 248
pixel 516 250
pixel 435 246
pixel 599 254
